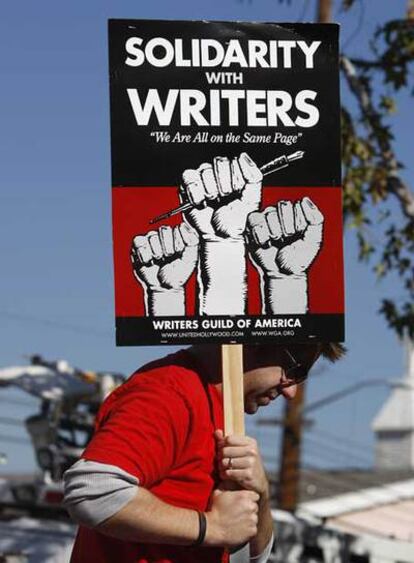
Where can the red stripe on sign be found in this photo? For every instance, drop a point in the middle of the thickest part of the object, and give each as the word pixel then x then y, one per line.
pixel 134 207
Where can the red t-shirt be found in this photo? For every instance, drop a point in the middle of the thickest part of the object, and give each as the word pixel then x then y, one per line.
pixel 158 426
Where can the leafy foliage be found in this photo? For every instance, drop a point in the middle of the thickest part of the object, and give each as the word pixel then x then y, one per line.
pixel 372 179
pixel 372 172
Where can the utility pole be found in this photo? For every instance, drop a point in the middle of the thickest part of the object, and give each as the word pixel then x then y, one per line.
pixel 410 10
pixel 289 472
pixel 324 14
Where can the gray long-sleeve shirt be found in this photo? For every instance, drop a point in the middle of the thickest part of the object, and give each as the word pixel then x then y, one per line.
pixel 96 491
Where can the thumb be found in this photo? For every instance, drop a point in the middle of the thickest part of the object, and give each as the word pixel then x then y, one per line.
pixel 313 233
pixel 311 211
pixel 219 435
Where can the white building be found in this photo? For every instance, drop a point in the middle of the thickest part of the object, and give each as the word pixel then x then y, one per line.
pixel 394 424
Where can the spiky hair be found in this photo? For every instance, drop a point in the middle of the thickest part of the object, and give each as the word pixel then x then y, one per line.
pixel 332 351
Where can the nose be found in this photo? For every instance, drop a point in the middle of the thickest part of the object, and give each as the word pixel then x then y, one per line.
pixel 289 392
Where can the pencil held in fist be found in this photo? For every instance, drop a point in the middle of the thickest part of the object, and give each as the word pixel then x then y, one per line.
pixel 222 194
pixel 278 163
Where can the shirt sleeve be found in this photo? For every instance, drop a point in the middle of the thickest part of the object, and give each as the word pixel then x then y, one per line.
pixel 243 555
pixel 264 556
pixel 144 431
pixel 93 492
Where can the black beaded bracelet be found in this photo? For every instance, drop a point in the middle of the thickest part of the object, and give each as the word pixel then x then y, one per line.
pixel 202 520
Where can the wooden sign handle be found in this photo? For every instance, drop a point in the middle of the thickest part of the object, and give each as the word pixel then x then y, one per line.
pixel 233 396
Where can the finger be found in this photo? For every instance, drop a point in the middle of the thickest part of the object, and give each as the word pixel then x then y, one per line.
pixel 219 436
pixel 236 451
pixel 286 217
pixel 178 240
pixel 312 236
pixel 249 169
pixel 221 165
pixel 253 495
pixel 300 220
pixel 189 235
pixel 209 181
pixel 236 463
pixel 273 223
pixel 155 245
pixel 166 240
pixel 237 179
pixel 193 186
pixel 238 475
pixel 238 440
pixel 311 211
pixel 141 249
pixel 256 224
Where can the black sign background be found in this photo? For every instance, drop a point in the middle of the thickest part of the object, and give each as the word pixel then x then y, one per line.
pixel 135 167
pixel 146 173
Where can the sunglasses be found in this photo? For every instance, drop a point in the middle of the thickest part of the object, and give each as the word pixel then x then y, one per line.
pixel 297 363
pixel 296 360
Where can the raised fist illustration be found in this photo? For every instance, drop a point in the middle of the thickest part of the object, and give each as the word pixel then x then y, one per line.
pixel 223 194
pixel 285 239
pixel 163 260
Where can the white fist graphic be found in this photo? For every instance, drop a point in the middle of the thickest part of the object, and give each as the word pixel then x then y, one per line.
pixel 286 239
pixel 223 194
pixel 163 261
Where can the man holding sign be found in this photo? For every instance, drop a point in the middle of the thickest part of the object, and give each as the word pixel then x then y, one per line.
pixel 149 485
pixel 204 116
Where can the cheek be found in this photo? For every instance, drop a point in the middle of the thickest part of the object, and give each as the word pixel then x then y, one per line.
pixel 263 383
pixel 269 384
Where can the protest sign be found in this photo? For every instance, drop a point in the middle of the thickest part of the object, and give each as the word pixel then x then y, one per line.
pixel 226 188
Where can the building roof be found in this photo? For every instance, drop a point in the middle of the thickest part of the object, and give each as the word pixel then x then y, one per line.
pixel 394 521
pixel 385 511
pixel 317 484
pixel 386 494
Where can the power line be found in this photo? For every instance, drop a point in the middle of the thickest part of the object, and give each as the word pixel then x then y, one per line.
pixel 11 421
pixel 340 443
pixel 17 402
pixel 14 439
pixel 348 446
pixel 343 439
pixel 339 449
pixel 56 324
pixel 354 388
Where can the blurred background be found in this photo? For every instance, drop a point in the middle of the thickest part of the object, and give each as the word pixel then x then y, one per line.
pixel 348 441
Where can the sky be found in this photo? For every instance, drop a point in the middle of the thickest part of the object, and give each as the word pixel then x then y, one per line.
pixel 56 282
